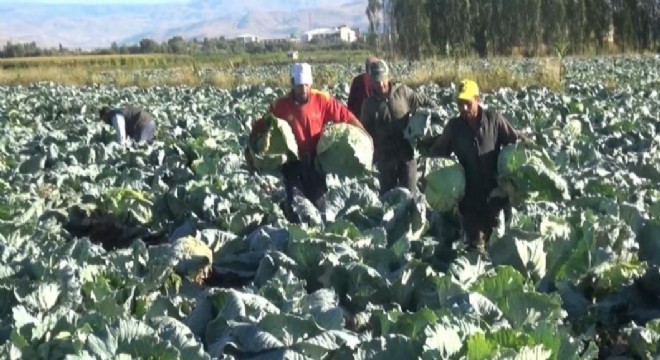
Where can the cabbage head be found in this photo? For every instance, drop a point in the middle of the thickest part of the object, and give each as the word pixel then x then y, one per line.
pixel 192 258
pixel 445 186
pixel 344 150
pixel 128 204
pixel 274 146
pixel 526 172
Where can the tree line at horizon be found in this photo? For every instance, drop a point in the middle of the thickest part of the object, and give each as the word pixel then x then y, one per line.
pixel 176 45
pixel 418 28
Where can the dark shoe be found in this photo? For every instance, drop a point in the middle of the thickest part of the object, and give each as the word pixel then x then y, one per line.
pixel 290 214
pixel 320 203
pixel 478 249
pixel 478 246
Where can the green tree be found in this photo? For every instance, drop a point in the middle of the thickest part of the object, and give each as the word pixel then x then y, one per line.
pixel 412 27
pixel 177 45
pixel 148 46
pixel 374 15
pixel 599 21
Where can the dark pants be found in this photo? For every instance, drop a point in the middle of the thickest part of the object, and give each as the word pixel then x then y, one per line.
pixel 146 133
pixel 479 221
pixel 394 174
pixel 303 175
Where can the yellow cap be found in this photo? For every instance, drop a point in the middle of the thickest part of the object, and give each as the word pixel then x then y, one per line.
pixel 467 90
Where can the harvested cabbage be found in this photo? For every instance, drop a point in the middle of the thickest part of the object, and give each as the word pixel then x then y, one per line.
pixel 274 146
pixel 445 186
pixel 344 150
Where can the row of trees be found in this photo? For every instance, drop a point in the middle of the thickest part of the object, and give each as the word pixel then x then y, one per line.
pixel 175 45
pixel 418 28
pixel 415 28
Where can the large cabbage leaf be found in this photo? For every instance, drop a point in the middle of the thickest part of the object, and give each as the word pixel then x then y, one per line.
pixel 445 186
pixel 344 150
pixel 526 172
pixel 275 145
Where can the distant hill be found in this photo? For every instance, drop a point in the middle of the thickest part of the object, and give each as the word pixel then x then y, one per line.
pixel 95 26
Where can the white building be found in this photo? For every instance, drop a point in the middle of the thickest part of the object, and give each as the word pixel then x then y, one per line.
pixel 338 34
pixel 347 34
pixel 247 38
pixel 291 39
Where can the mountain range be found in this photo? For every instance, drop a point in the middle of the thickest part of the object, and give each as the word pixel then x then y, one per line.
pixel 98 25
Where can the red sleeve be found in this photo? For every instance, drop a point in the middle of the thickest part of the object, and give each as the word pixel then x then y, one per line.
pixel 336 111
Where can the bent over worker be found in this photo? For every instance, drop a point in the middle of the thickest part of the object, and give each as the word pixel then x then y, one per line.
pixel 130 121
pixel 476 137
pixel 307 111
pixel 385 115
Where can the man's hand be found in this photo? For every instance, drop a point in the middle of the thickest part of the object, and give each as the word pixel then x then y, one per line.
pixel 527 140
pixel 355 122
pixel 525 135
pixel 497 193
pixel 424 145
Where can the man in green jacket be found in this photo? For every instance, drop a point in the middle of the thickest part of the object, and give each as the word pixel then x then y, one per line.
pixel 385 115
pixel 129 121
pixel 476 137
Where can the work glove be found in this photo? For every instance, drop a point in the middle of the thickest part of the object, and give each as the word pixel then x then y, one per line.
pixel 497 193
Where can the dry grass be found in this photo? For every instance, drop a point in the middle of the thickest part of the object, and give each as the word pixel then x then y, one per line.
pixel 88 76
pixel 444 72
pixel 227 79
pixel 97 61
pixel 150 61
pixel 54 74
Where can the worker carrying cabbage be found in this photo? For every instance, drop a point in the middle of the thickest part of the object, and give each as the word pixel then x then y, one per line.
pixel 129 122
pixel 476 137
pixel 385 115
pixel 307 111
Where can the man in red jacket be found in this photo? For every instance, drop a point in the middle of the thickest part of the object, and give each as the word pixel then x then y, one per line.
pixel 361 88
pixel 306 110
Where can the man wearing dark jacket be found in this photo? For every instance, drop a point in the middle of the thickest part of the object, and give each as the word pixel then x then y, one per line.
pixel 360 89
pixel 476 137
pixel 385 115
pixel 130 121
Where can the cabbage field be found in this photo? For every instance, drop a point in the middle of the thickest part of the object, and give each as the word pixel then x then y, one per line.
pixel 174 250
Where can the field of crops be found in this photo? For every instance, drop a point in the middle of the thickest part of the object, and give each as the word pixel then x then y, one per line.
pixel 170 60
pixel 174 250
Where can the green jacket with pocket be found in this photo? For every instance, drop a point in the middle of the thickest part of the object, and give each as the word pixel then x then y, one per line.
pixel 386 117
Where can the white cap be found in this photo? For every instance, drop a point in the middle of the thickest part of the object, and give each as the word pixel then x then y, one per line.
pixel 302 74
